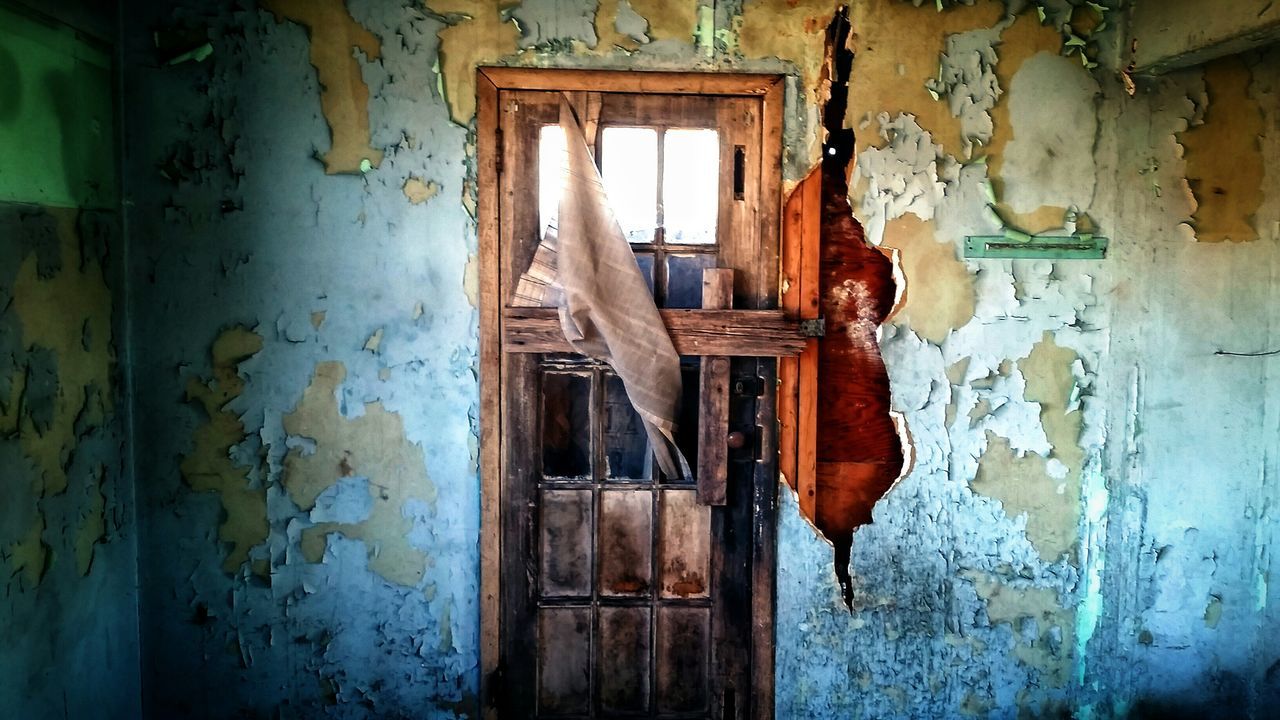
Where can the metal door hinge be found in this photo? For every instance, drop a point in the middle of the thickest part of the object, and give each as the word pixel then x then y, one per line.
pixel 500 151
pixel 815 328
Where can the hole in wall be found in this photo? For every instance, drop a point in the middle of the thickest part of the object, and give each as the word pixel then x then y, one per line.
pixel 860 447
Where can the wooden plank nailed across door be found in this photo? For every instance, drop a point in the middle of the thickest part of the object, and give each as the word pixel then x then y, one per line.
pixel 739 333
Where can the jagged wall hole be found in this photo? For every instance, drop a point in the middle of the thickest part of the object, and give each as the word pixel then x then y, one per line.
pixel 859 447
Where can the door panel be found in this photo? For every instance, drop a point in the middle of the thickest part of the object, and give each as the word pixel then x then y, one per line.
pixel 621 595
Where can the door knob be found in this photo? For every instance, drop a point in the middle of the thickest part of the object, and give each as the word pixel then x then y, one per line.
pixel 736 440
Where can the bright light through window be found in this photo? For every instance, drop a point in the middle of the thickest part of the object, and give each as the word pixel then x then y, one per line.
pixel 629 164
pixel 690 185
pixel 551 161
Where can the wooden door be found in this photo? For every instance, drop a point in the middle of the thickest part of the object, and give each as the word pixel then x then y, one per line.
pixel 620 594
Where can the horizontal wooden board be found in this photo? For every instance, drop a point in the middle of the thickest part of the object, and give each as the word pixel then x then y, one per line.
pixel 631 81
pixel 738 333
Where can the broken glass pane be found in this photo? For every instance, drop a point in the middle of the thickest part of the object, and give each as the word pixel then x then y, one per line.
pixel 625 443
pixel 629 166
pixel 687 428
pixel 690 185
pixel 566 425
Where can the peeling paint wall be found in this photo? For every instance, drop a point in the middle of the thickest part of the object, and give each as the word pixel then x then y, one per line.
pixel 1088 520
pixel 68 603
pixel 1091 482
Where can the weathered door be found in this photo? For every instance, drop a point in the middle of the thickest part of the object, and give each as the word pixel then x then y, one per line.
pixel 621 595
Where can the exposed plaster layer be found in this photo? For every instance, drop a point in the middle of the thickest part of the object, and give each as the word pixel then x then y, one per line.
pixel 1046 489
pixel 956 606
pixel 211 466
pixel 67 314
pixel 68 620
pixel 1048 160
pixel 791 31
pixel 886 80
pixel 317 264
pixel 940 297
pixel 371 447
pixel 335 36
pixel 478 33
pixel 1223 155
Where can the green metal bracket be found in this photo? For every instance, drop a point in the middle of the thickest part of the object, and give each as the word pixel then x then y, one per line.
pixel 1014 244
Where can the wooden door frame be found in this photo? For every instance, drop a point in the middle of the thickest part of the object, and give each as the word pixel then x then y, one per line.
pixel 489 82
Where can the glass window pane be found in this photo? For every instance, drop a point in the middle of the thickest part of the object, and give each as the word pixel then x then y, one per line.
pixel 626 543
pixel 551 150
pixel 565 519
pixel 564 660
pixel 626 445
pixel 629 165
pixel 645 261
pixel 687 429
pixel 684 279
pixel 566 425
pixel 690 185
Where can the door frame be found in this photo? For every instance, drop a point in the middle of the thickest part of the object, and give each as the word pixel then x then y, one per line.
pixel 489 82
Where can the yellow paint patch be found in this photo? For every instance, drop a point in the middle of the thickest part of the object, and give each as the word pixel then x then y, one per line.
pixel 607 35
pixel 790 30
pixel 209 467
pixel 939 294
pixel 317 319
pixel 1050 650
pixel 60 314
pixel 1224 158
pixel 668 19
pixel 479 37
pixel 344 96
pixel 419 191
pixel 888 79
pixel 371 446
pixel 93 527
pixel 1023 484
pixel 471 280
pixel 9 408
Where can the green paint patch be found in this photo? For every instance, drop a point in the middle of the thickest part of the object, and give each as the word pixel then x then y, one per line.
pixel 57 118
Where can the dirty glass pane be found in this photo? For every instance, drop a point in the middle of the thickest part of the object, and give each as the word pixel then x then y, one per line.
pixel 564 660
pixel 684 279
pixel 687 432
pixel 565 520
pixel 684 545
pixel 684 636
pixel 623 674
pixel 626 445
pixel 566 425
pixel 629 165
pixel 690 185
pixel 551 150
pixel 626 543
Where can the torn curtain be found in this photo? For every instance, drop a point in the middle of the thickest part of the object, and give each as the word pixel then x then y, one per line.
pixel 606 309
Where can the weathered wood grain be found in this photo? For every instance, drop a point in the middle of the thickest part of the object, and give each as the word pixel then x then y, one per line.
pixel 713 398
pixel 739 333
